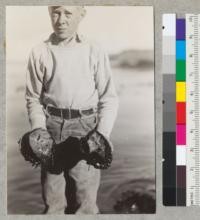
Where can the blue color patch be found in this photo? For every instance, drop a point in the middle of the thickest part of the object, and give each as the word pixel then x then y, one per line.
pixel 180 50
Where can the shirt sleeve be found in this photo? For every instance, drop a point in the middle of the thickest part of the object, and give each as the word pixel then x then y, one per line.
pixel 108 99
pixel 34 86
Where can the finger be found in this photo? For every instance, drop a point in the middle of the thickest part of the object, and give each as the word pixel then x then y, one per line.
pixel 97 165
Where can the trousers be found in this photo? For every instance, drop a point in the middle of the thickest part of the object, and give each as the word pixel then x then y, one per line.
pixel 74 191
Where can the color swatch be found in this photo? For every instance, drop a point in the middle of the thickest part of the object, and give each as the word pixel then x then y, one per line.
pixel 180 113
pixel 181 110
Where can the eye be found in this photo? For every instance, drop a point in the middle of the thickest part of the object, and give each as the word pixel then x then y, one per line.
pixel 68 15
pixel 55 14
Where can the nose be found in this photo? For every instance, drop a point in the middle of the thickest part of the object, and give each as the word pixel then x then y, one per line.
pixel 62 19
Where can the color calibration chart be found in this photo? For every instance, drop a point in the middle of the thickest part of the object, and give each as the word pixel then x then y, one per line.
pixel 181 105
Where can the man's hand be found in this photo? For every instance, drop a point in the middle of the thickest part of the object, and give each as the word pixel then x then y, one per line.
pixel 36 147
pixel 97 150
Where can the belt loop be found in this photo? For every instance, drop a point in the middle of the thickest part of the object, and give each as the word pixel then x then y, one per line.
pixel 69 112
pixel 80 112
pixel 61 115
pixel 45 108
pixel 94 110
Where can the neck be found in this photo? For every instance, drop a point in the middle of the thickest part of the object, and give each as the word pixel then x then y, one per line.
pixel 66 41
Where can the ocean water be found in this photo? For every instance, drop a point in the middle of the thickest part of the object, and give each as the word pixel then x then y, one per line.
pixel 129 185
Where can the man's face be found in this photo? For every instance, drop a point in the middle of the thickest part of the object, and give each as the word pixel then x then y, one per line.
pixel 65 20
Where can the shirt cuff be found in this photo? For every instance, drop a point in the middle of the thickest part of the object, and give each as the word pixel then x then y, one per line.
pixel 38 122
pixel 103 131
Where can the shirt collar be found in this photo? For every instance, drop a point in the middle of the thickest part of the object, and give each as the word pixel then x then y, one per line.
pixel 67 42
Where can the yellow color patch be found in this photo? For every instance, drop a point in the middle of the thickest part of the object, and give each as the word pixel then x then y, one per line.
pixel 180 92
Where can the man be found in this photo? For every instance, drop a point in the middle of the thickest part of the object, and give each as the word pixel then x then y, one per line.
pixel 69 92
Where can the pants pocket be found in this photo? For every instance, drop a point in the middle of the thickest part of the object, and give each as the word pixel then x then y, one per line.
pixel 54 126
pixel 89 122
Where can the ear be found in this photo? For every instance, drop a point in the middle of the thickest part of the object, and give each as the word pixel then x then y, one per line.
pixel 82 11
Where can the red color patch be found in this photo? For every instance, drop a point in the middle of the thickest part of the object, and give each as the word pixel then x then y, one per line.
pixel 181 113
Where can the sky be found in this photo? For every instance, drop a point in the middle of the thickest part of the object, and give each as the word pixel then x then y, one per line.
pixel 116 28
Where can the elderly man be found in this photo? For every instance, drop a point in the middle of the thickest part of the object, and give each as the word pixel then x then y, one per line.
pixel 69 92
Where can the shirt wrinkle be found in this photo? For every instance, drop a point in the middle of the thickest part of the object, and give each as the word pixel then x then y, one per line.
pixel 80 78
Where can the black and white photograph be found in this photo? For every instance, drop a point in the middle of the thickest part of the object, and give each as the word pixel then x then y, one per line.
pixel 80 118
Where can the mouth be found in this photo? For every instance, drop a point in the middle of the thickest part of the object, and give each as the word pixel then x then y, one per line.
pixel 61 29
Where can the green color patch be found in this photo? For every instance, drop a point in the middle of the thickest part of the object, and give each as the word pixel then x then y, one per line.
pixel 180 70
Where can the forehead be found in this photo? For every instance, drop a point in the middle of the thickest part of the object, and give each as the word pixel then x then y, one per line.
pixel 70 9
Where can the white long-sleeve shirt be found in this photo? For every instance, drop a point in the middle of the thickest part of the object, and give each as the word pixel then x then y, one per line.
pixel 75 75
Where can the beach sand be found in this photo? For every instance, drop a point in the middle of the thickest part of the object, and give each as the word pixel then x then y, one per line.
pixel 129 185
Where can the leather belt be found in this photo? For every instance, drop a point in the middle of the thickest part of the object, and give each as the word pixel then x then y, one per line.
pixel 69 113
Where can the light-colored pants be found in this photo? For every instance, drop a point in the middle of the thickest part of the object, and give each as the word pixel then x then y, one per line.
pixel 74 190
